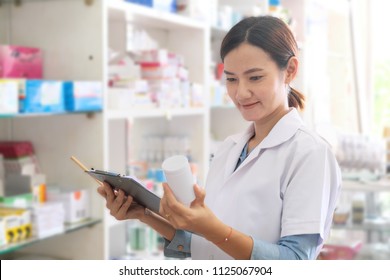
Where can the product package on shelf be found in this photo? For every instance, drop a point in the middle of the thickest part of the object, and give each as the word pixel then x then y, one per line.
pixel 161 5
pixel 168 79
pixel 44 96
pixel 147 3
pixel 197 9
pixel 84 96
pixel 20 62
pixel 48 219
pixel 24 200
pixel 341 249
pixel 9 97
pixel 76 202
pixel 21 170
pixel 2 173
pixel 3 239
pixel 16 222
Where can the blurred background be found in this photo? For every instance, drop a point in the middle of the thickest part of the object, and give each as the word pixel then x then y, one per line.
pixel 122 85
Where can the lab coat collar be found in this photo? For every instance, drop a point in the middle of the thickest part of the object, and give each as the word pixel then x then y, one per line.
pixel 284 129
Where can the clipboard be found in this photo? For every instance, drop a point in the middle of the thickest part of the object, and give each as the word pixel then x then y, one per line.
pixel 131 186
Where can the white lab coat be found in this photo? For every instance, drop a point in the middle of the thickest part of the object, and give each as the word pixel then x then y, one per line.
pixel 288 185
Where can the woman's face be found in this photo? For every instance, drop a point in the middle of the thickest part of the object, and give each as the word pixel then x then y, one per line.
pixel 255 83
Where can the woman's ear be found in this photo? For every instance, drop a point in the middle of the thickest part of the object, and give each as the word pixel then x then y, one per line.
pixel 291 69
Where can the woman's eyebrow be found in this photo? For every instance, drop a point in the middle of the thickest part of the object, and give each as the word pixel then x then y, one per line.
pixel 249 71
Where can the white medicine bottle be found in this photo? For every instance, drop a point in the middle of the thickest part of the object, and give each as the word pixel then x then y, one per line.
pixel 179 177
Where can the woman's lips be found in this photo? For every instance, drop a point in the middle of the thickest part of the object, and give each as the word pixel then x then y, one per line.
pixel 249 106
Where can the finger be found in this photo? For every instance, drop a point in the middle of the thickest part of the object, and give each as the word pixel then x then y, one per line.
pixel 102 191
pixel 122 212
pixel 168 194
pixel 164 203
pixel 200 194
pixel 116 204
pixel 170 204
pixel 109 193
pixel 162 209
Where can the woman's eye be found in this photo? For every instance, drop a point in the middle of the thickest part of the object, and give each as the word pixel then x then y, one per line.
pixel 230 79
pixel 256 78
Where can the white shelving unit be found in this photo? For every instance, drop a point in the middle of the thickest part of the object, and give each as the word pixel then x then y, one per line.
pixel 69 33
pixel 374 230
pixel 75 38
pixel 180 35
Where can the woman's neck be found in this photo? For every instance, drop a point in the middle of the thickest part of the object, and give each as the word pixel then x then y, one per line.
pixel 263 127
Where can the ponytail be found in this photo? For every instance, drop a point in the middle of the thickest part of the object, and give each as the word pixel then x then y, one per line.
pixel 296 99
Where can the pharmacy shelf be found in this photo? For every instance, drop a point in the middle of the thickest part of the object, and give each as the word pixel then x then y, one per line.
pixel 32 115
pixel 154 113
pixel 368 225
pixel 367 186
pixel 68 228
pixel 126 124
pixel 121 10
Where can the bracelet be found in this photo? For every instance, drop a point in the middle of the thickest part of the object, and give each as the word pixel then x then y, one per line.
pixel 226 239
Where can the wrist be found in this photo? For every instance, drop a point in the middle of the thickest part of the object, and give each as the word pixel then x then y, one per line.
pixel 220 234
pixel 144 215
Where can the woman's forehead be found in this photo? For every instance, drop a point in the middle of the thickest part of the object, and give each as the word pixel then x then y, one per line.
pixel 246 57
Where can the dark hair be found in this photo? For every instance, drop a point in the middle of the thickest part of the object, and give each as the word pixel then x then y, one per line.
pixel 273 36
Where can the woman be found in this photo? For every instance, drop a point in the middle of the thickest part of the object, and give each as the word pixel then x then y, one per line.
pixel 271 190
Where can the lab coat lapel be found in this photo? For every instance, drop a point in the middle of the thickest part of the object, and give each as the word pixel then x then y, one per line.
pixel 253 155
pixel 232 159
pixel 235 152
pixel 281 132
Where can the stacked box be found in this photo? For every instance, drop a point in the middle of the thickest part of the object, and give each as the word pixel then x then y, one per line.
pixel 43 96
pixel 21 170
pixel 48 219
pixel 76 203
pixel 84 96
pixel 9 97
pixel 20 62
pixel 17 223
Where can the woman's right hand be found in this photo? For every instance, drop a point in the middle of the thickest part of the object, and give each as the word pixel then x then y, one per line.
pixel 122 207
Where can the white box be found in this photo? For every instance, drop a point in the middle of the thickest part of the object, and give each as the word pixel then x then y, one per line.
pixel 9 96
pixel 76 203
pixel 3 239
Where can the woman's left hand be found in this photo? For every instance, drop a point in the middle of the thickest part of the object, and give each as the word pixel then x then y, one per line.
pixel 197 218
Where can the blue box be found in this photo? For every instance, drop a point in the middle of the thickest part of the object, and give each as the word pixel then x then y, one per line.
pixel 148 3
pixel 168 6
pixel 161 5
pixel 43 96
pixel 84 96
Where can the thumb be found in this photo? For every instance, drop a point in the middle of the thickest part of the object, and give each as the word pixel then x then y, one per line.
pixel 200 194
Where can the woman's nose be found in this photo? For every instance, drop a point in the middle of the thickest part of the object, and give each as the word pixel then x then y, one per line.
pixel 243 91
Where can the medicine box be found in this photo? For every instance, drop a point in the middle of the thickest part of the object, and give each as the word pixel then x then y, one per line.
pixel 341 249
pixel 161 5
pixel 165 5
pixel 76 203
pixel 17 223
pixel 44 96
pixel 16 149
pixel 20 62
pixel 84 96
pixel 9 97
pixel 3 240
pixel 22 200
pixel 147 3
pixel 48 219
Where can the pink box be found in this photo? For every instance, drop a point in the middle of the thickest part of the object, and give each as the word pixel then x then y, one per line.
pixel 20 62
pixel 341 250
